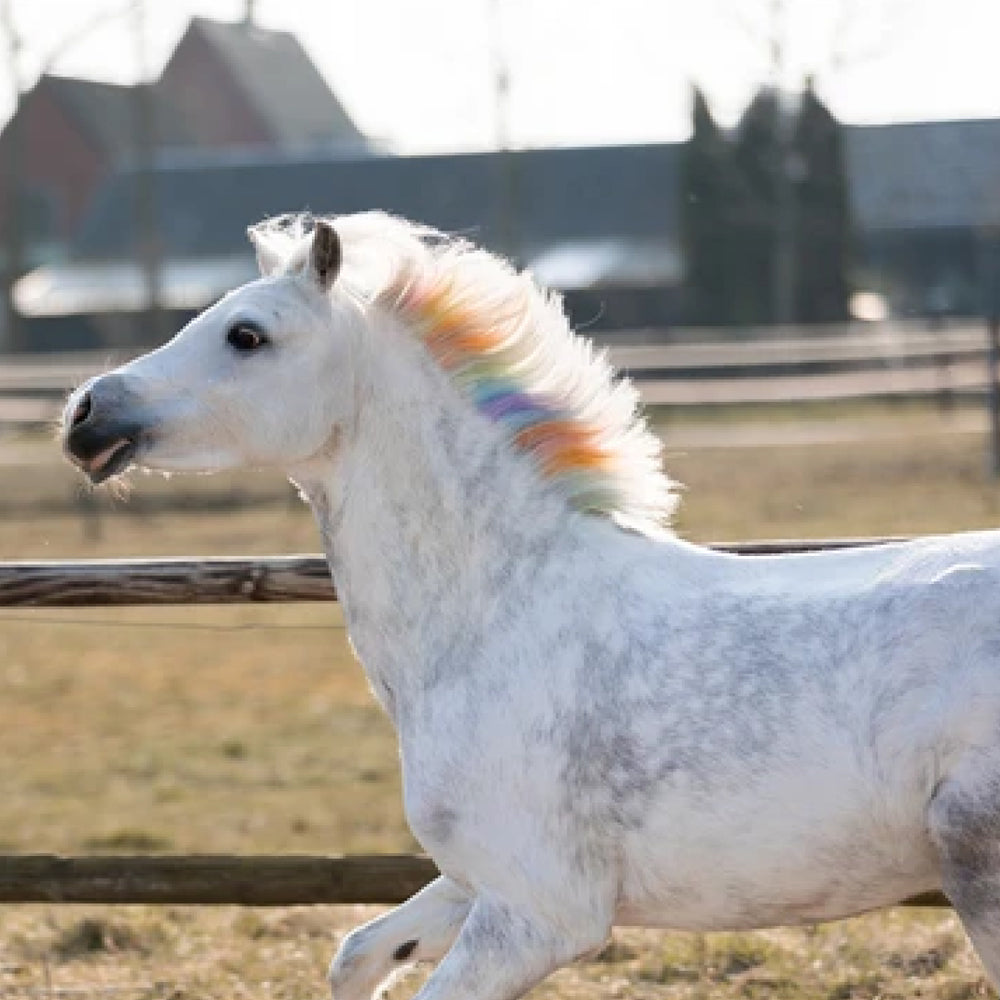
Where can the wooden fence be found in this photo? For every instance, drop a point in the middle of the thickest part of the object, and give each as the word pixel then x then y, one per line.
pixel 261 880
pixel 678 368
pixel 211 879
pixel 229 580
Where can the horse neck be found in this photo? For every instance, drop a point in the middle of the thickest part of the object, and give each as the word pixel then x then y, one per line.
pixel 430 518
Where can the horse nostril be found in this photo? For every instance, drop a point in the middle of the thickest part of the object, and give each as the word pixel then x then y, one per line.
pixel 81 412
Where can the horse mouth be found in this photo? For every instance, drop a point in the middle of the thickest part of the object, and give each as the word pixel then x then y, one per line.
pixel 109 461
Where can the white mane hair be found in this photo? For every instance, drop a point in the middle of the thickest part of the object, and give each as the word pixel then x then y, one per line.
pixel 522 342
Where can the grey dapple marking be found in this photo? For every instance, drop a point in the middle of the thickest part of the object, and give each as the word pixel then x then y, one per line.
pixel 598 722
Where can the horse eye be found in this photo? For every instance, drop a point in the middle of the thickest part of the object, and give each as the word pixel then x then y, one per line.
pixel 245 337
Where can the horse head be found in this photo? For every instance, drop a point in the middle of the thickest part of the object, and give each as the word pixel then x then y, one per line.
pixel 239 385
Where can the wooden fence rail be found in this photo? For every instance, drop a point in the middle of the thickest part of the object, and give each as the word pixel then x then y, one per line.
pixel 671 367
pixel 213 879
pixel 264 880
pixel 164 581
pixel 121 582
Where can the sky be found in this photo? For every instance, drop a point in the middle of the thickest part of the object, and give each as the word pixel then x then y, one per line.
pixel 420 75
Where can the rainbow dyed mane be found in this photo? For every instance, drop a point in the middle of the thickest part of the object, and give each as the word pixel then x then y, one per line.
pixel 509 348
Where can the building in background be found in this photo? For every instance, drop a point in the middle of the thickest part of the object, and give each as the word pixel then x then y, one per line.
pixel 245 127
pixel 598 223
pixel 226 86
pixel 601 224
pixel 927 196
pixel 72 135
pixel 239 85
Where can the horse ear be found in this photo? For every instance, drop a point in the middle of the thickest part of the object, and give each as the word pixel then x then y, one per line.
pixel 326 254
pixel 268 261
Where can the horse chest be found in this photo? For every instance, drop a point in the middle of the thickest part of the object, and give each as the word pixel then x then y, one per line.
pixel 480 788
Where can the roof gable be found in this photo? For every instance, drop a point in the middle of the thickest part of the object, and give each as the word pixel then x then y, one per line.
pixel 280 82
pixel 105 113
pixel 102 111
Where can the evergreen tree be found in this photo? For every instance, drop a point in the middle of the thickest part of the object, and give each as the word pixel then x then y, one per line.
pixel 778 188
pixel 706 202
pixel 757 157
pixel 823 228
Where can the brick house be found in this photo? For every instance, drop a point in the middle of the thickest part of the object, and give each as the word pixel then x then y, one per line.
pixel 240 85
pixel 225 85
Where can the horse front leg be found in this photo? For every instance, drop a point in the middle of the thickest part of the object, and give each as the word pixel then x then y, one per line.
pixel 501 952
pixel 420 930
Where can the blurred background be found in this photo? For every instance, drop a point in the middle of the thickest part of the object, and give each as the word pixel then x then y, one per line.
pixel 782 219
pixel 752 189
pixel 665 164
pixel 781 216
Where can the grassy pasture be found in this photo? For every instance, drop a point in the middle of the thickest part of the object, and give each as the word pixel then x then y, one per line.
pixel 251 729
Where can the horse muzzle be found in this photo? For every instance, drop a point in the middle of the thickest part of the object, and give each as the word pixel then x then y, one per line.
pixel 99 435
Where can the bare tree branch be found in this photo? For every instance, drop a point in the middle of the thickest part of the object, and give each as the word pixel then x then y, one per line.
pixel 12 43
pixel 14 256
pixel 13 168
pixel 853 41
pixel 860 31
pixel 82 31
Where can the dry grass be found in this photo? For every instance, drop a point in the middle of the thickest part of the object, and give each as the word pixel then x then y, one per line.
pixel 226 952
pixel 191 729
pixel 901 470
pixel 251 729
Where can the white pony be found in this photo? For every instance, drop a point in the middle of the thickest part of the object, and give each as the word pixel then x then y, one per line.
pixel 599 723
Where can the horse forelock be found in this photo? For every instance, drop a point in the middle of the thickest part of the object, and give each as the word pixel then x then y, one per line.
pixel 281 242
pixel 508 346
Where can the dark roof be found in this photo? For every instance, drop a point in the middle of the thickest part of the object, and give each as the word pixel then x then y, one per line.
pixel 925 175
pixel 106 113
pixel 270 68
pixel 280 81
pixel 103 111
pixel 556 195
pixel 903 177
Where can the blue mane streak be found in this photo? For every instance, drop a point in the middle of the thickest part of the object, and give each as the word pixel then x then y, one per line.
pixel 504 400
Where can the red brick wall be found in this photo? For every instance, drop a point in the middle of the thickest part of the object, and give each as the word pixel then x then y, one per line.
pixel 64 162
pixel 57 158
pixel 214 109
